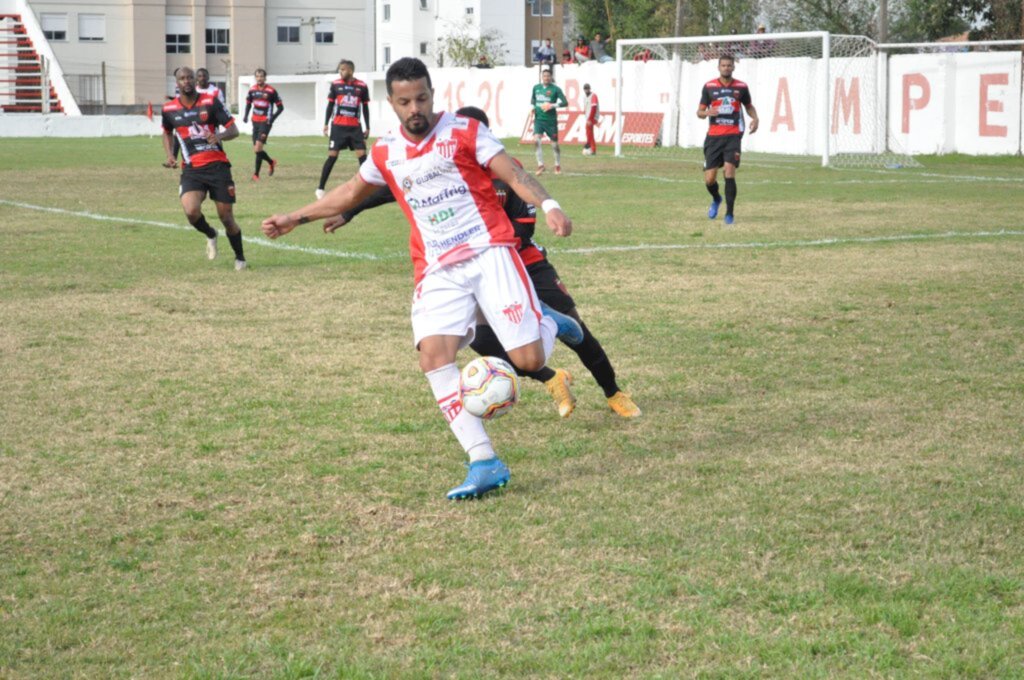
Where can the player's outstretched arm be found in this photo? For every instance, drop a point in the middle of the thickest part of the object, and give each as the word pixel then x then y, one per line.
pixel 381 196
pixel 337 200
pixel 531 191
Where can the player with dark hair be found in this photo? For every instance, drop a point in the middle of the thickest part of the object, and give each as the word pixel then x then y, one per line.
pixel 266 105
pixel 546 99
pixel 193 119
pixel 439 167
pixel 345 99
pixel 204 86
pixel 720 103
pixel 550 289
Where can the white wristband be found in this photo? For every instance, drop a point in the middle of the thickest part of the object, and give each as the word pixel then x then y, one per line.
pixel 549 204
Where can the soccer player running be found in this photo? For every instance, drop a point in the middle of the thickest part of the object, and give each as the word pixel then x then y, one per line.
pixel 546 99
pixel 720 102
pixel 439 167
pixel 344 101
pixel 193 118
pixel 551 291
pixel 265 104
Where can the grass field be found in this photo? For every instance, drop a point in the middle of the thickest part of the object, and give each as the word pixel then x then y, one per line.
pixel 211 474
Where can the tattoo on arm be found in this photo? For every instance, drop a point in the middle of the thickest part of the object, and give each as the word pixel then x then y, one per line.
pixel 303 219
pixel 535 193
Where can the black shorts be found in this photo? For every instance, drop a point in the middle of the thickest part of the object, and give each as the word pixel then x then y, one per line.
pixel 550 288
pixel 213 179
pixel 260 131
pixel 721 150
pixel 347 137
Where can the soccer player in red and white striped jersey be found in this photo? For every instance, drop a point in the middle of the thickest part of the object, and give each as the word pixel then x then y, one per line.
pixel 440 166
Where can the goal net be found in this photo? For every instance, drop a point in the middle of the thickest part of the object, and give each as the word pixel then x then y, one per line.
pixel 817 96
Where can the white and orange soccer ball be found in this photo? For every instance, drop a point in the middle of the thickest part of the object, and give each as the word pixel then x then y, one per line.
pixel 488 387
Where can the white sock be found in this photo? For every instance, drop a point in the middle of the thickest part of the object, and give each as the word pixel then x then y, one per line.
pixel 468 429
pixel 540 153
pixel 548 335
pixel 558 153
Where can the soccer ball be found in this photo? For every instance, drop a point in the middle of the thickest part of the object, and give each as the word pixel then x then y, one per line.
pixel 488 387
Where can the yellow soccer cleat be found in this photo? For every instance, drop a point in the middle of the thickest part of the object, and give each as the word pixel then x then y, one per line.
pixel 622 404
pixel 558 388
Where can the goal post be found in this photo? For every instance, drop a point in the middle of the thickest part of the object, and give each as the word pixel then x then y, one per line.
pixel 817 94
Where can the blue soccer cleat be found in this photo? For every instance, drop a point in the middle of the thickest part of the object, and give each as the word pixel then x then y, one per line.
pixel 713 208
pixel 484 475
pixel 569 330
pixel 729 219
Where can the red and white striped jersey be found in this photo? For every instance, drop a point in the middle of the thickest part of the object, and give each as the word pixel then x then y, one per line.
pixel 444 188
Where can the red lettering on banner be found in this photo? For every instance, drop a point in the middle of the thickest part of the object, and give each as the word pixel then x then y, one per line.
pixel 994 105
pixel 849 101
pixel 572 91
pixel 782 100
pixel 638 129
pixel 458 94
pixel 914 80
pixel 497 102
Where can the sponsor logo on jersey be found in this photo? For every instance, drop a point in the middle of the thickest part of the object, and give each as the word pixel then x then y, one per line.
pixel 204 116
pixel 447 148
pixel 514 312
pixel 449 192
pixel 433 173
pixel 407 184
pixel 452 241
pixel 441 216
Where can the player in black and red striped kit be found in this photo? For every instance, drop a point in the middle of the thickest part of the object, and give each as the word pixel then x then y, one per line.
pixel 193 119
pixel 550 290
pixel 345 99
pixel 720 103
pixel 266 105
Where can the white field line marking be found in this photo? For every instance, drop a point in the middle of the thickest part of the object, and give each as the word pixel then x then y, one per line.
pixel 256 240
pixel 918 178
pixel 762 245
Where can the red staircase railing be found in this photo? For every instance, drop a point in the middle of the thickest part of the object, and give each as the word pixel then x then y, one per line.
pixel 21 71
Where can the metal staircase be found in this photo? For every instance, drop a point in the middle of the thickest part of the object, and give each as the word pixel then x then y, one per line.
pixel 25 85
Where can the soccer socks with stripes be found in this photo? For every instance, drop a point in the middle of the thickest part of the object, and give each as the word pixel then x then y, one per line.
pixel 326 172
pixel 539 150
pixel 236 244
pixel 593 356
pixel 467 428
pixel 730 194
pixel 202 226
pixel 713 190
pixel 486 343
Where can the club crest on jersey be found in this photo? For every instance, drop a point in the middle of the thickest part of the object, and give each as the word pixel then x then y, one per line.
pixel 451 407
pixel 446 148
pixel 231 190
pixel 204 116
pixel 407 184
pixel 514 312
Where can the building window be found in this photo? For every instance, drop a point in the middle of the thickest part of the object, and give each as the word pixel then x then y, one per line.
pixel 218 35
pixel 288 29
pixel 55 26
pixel 323 31
pixel 177 34
pixel 387 54
pixel 469 10
pixel 92 27
pixel 542 8
pixel 387 12
pixel 423 48
pixel 424 4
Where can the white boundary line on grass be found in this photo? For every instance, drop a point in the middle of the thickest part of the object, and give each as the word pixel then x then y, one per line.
pixel 764 245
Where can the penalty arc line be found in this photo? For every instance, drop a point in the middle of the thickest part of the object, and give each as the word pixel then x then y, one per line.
pixel 752 245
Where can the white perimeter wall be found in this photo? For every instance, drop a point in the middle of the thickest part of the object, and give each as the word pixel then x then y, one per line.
pixel 938 103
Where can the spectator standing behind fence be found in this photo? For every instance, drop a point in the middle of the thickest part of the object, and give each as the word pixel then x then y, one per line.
pixel 598 49
pixel 546 54
pixel 763 47
pixel 581 52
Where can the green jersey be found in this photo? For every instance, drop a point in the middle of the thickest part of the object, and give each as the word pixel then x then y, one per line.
pixel 547 94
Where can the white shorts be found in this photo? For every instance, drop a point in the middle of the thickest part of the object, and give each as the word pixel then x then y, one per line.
pixel 492 287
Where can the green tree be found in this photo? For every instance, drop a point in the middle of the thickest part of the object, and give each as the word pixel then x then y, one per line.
pixel 461 47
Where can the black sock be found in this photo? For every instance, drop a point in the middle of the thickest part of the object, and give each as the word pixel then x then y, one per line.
pixel 713 190
pixel 730 194
pixel 236 244
pixel 204 227
pixel 326 172
pixel 266 156
pixel 594 358
pixel 486 344
pixel 259 162
pixel 361 159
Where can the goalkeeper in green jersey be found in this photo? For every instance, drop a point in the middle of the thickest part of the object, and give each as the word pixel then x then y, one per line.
pixel 546 99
